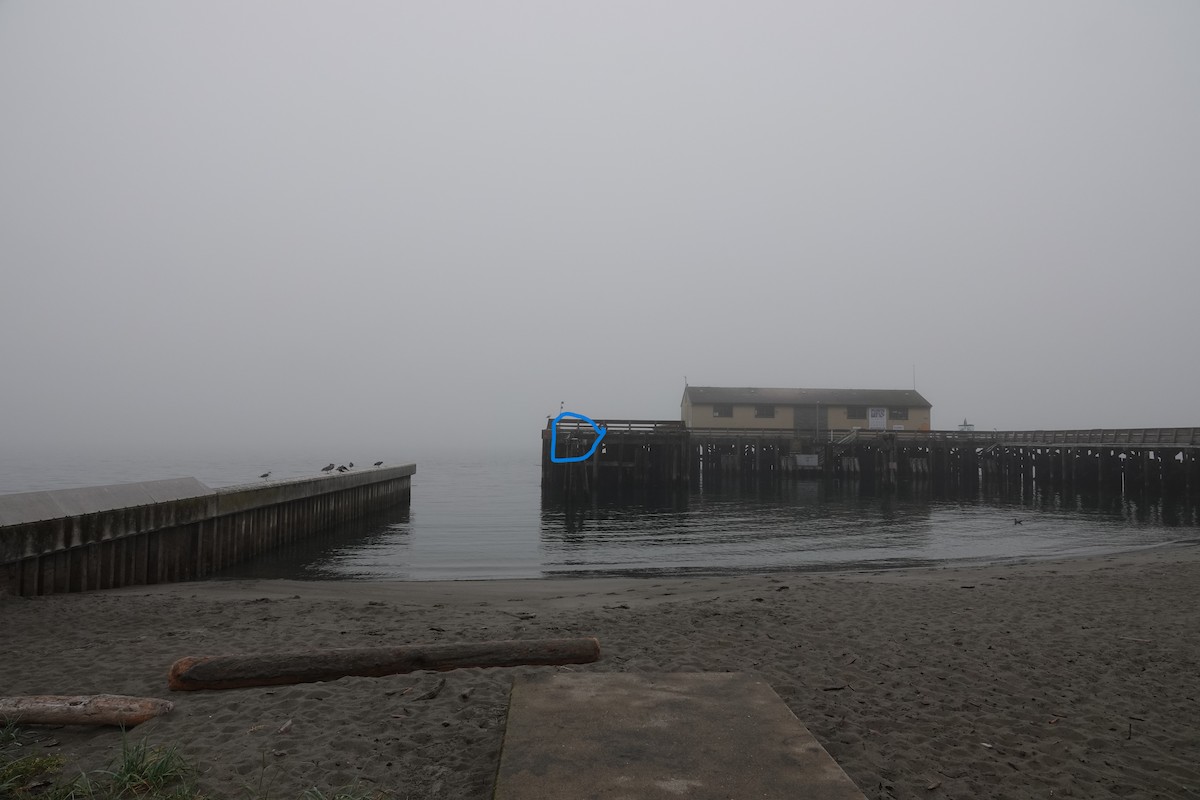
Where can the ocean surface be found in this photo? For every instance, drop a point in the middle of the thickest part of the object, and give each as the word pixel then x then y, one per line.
pixel 482 517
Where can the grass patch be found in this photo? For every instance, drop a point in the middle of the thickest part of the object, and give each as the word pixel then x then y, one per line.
pixel 146 772
pixel 9 733
pixel 24 776
pixel 141 772
pixel 28 776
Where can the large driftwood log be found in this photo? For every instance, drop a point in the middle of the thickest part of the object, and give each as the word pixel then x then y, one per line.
pixel 95 709
pixel 272 669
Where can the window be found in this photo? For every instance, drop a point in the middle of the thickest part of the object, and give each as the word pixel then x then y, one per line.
pixel 723 410
pixel 856 412
pixel 898 413
pixel 764 412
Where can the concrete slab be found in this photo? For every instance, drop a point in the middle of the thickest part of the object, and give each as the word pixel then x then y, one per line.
pixel 26 507
pixel 663 736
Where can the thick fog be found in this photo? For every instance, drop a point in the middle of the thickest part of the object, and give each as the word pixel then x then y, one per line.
pixel 230 225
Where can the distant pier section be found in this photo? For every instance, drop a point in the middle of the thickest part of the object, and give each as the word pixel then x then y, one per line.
pixel 103 537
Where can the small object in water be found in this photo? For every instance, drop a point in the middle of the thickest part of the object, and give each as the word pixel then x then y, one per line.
pixel 328 469
pixel 1017 521
pixel 379 463
pixel 265 475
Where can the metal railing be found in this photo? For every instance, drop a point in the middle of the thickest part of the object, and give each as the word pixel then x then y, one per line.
pixel 571 425
pixel 1187 437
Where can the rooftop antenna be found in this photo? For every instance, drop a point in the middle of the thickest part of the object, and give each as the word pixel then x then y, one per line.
pixel 914 377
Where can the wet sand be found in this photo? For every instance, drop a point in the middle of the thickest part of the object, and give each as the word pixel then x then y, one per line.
pixel 1077 678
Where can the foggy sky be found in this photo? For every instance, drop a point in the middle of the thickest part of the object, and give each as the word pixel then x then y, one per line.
pixel 232 225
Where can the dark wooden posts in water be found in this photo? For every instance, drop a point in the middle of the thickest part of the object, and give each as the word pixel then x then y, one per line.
pixel 1154 461
pixel 633 454
pixel 649 454
pixel 734 454
pixel 103 537
pixel 1155 468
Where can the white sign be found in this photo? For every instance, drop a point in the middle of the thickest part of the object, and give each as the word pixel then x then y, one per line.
pixel 877 418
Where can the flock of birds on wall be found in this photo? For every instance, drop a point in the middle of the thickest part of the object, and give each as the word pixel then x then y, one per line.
pixel 327 469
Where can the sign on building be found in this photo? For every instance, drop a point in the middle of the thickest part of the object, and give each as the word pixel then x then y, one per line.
pixel 877 418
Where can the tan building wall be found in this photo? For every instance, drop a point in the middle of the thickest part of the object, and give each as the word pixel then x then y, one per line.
pixel 918 420
pixel 701 416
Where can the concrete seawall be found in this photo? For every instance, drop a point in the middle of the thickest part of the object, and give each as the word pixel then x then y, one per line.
pixel 76 540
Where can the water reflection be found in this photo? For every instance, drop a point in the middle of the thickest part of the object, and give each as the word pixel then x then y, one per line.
pixel 732 528
pixel 363 548
pixel 487 521
pixel 811 525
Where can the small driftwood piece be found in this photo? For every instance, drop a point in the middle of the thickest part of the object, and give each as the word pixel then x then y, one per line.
pixel 94 709
pixel 274 669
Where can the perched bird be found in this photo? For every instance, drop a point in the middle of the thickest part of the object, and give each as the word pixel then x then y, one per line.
pixel 351 465
pixel 328 469
pixel 379 463
pixel 265 475
pixel 1017 521
pixel 342 468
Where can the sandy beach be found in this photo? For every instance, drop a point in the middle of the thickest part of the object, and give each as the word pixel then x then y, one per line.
pixel 1076 678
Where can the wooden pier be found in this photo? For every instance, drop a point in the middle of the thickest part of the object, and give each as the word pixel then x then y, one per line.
pixel 634 453
pixel 655 454
pixel 1107 461
pixel 103 537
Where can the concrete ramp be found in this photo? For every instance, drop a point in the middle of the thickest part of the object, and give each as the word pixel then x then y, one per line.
pixel 663 736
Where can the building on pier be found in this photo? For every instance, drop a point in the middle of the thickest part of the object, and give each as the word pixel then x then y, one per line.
pixel 804 413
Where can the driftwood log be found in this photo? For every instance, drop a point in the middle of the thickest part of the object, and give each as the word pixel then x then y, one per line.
pixel 95 709
pixel 273 669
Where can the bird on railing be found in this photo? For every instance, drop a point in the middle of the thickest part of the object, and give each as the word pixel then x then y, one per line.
pixel 342 468
pixel 379 463
pixel 329 468
pixel 350 465
pixel 265 475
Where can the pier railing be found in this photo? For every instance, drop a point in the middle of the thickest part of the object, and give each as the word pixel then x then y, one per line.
pixel 1142 437
pixel 570 425
pixel 1182 437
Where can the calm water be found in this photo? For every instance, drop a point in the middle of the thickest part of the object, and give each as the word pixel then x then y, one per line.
pixel 484 517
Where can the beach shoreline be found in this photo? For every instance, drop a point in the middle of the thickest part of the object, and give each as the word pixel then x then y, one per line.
pixel 1059 677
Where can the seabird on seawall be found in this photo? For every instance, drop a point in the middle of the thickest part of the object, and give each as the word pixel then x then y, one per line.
pixel 350 465
pixel 379 463
pixel 265 475
pixel 342 468
pixel 328 469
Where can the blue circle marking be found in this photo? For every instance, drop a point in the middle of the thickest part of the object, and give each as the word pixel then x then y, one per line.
pixel 554 438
